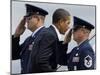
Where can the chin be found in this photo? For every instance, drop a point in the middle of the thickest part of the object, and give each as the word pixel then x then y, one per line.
pixel 74 39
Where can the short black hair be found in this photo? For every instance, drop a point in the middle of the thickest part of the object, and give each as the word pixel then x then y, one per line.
pixel 59 14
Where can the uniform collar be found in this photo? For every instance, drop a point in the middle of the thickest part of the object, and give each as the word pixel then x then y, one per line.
pixel 33 34
pixel 58 33
pixel 82 43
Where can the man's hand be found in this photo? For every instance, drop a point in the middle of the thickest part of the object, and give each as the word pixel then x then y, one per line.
pixel 20 28
pixel 68 37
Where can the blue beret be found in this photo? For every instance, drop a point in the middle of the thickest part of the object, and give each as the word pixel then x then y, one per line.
pixel 78 22
pixel 30 10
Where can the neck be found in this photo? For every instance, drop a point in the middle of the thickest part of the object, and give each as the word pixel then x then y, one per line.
pixel 57 26
pixel 36 27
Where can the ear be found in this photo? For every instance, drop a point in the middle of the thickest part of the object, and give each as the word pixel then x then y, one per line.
pixel 38 18
pixel 60 22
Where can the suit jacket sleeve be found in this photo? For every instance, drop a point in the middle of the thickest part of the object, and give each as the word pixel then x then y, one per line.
pixel 45 51
pixel 61 53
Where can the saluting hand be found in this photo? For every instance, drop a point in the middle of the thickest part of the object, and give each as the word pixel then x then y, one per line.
pixel 20 28
pixel 68 37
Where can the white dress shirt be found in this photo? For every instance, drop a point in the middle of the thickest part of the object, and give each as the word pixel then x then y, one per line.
pixel 60 36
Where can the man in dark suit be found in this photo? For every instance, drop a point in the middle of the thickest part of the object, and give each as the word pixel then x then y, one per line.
pixel 81 57
pixel 60 24
pixel 36 53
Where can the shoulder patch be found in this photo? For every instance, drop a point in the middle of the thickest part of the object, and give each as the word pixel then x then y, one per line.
pixel 88 61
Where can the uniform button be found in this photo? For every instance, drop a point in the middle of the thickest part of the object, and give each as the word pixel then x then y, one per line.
pixel 77 48
pixel 76 54
pixel 32 43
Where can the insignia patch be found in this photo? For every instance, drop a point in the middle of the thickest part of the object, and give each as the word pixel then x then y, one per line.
pixel 75 59
pixel 88 61
pixel 78 48
pixel 31 46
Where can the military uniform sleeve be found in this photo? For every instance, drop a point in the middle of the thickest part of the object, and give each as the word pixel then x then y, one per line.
pixel 15 48
pixel 45 51
pixel 62 56
pixel 87 59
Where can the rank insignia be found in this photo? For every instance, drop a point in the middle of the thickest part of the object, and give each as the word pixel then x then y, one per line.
pixel 88 61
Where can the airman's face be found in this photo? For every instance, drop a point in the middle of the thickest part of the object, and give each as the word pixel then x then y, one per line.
pixel 64 25
pixel 32 22
pixel 78 35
